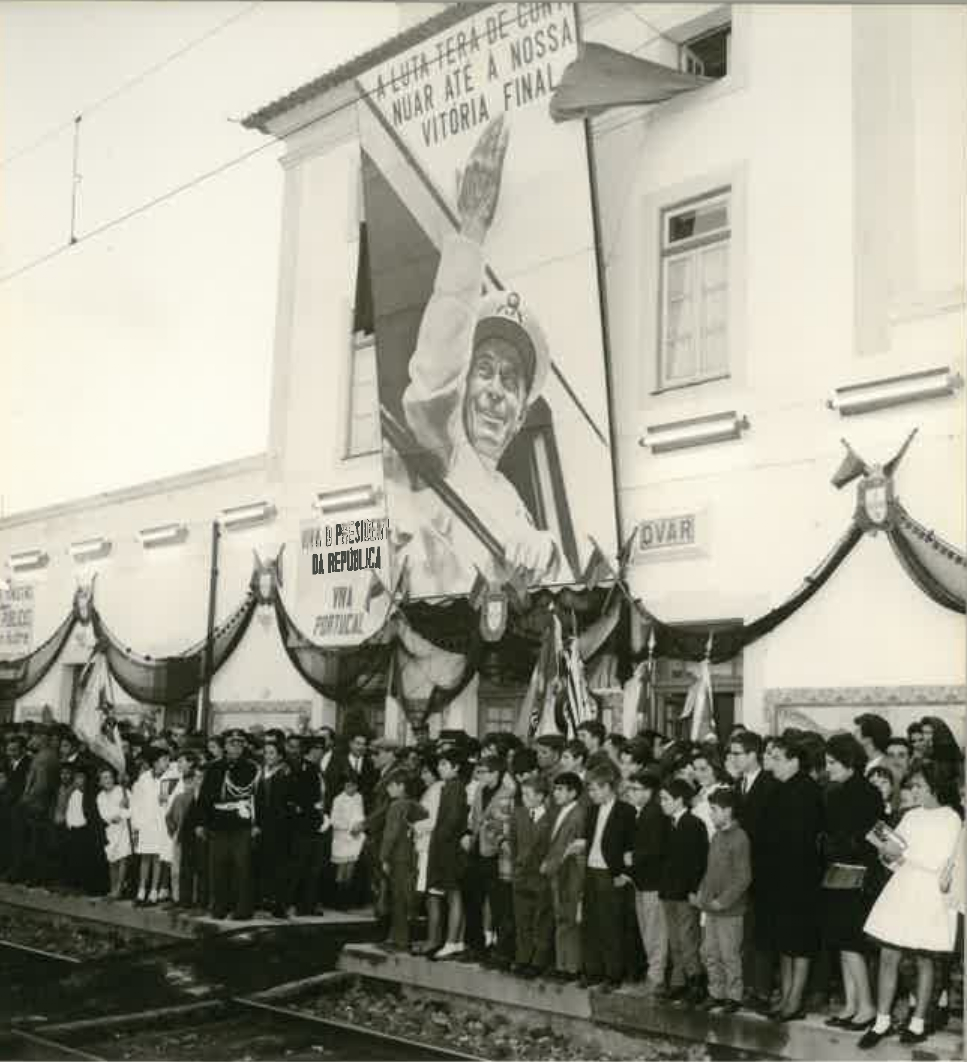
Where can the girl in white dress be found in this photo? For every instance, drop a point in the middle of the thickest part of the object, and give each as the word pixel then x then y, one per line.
pixel 112 806
pixel 149 805
pixel 421 836
pixel 912 912
pixel 347 812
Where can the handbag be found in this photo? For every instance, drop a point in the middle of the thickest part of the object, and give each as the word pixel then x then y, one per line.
pixel 844 876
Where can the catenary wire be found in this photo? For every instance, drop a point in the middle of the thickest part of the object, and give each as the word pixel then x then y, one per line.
pixel 127 85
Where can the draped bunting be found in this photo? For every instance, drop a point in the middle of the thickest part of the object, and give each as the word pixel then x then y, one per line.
pixel 939 569
pixel 171 679
pixel 20 675
pixel 337 672
pixel 690 643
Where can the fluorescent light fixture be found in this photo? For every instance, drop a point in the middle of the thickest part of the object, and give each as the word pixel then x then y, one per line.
pixel 894 391
pixel 333 501
pixel 89 548
pixel 26 560
pixel 245 515
pixel 697 431
pixel 163 535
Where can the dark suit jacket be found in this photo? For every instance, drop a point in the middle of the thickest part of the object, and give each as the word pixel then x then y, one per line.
pixel 652 830
pixel 308 789
pixel 396 846
pixel 618 836
pixel 274 804
pixel 336 772
pixel 17 779
pixel 528 842
pixel 686 856
pixel 753 804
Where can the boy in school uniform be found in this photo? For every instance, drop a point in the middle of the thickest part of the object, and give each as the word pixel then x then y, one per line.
pixel 681 874
pixel 608 835
pixel 563 866
pixel 645 863
pixel 723 895
pixel 533 906
pixel 397 855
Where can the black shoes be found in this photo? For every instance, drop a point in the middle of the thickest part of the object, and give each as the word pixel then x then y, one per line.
pixel 908 1036
pixel 870 1038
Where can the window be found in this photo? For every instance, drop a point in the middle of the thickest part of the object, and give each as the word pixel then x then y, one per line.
pixel 363 424
pixel 363 398
pixel 695 291
pixel 707 55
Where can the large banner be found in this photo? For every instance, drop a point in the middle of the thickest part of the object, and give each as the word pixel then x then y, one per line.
pixel 16 620
pixel 490 360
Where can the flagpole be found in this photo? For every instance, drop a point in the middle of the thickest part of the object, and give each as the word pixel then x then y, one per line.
pixel 203 720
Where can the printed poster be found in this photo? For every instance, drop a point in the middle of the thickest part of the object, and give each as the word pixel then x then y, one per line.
pixel 490 360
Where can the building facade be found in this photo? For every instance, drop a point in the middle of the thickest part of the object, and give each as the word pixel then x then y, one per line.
pixel 783 263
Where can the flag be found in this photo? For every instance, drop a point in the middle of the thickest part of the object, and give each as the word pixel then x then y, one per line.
pixel 853 465
pixel 602 77
pixel 699 704
pixel 581 704
pixel 92 721
pixel 891 466
pixel 597 570
pixel 373 590
pixel 537 710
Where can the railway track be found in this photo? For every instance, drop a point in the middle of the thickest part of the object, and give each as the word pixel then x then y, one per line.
pixel 228 1028
pixel 225 1026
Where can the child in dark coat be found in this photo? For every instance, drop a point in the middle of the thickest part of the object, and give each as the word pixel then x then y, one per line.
pixel 397 855
pixel 446 860
pixel 681 874
pixel 533 907
pixel 563 866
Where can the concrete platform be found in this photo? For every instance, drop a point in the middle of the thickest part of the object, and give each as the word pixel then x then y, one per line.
pixel 630 1011
pixel 164 921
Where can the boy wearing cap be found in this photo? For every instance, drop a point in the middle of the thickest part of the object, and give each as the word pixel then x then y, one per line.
pixel 397 856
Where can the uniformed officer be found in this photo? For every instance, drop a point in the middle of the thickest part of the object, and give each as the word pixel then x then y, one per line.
pixel 226 813
pixel 478 367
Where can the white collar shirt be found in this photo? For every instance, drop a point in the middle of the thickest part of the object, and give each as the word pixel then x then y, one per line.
pixel 596 856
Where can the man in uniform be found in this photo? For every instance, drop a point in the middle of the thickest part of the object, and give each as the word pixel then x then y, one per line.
pixel 226 814
pixel 479 365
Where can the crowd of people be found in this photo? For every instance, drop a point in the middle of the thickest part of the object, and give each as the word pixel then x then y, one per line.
pixel 771 873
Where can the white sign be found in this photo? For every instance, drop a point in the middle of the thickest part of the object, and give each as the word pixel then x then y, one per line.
pixel 16 620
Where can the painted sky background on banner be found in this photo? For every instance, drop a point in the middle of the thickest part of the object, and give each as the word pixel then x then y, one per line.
pixel 541 243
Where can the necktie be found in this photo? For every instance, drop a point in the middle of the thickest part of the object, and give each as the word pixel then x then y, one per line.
pixel 533 814
pixel 745 784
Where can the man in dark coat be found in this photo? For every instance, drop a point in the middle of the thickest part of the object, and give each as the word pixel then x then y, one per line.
pixel 17 766
pixel 274 817
pixel 351 760
pixel 652 830
pixel 32 830
pixel 311 836
pixel 609 834
pixel 756 788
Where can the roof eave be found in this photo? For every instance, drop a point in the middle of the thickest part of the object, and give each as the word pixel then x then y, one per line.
pixel 265 120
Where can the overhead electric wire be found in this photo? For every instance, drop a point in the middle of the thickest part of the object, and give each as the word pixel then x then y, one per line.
pixel 128 85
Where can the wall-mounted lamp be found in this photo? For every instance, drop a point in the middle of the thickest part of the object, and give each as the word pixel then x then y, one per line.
pixel 163 535
pixel 247 515
pixel 696 431
pixel 334 501
pixel 27 560
pixel 89 549
pixel 894 391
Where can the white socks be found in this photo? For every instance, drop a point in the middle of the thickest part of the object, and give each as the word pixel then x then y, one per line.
pixel 881 1024
pixel 942 1000
pixel 916 1026
pixel 449 949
